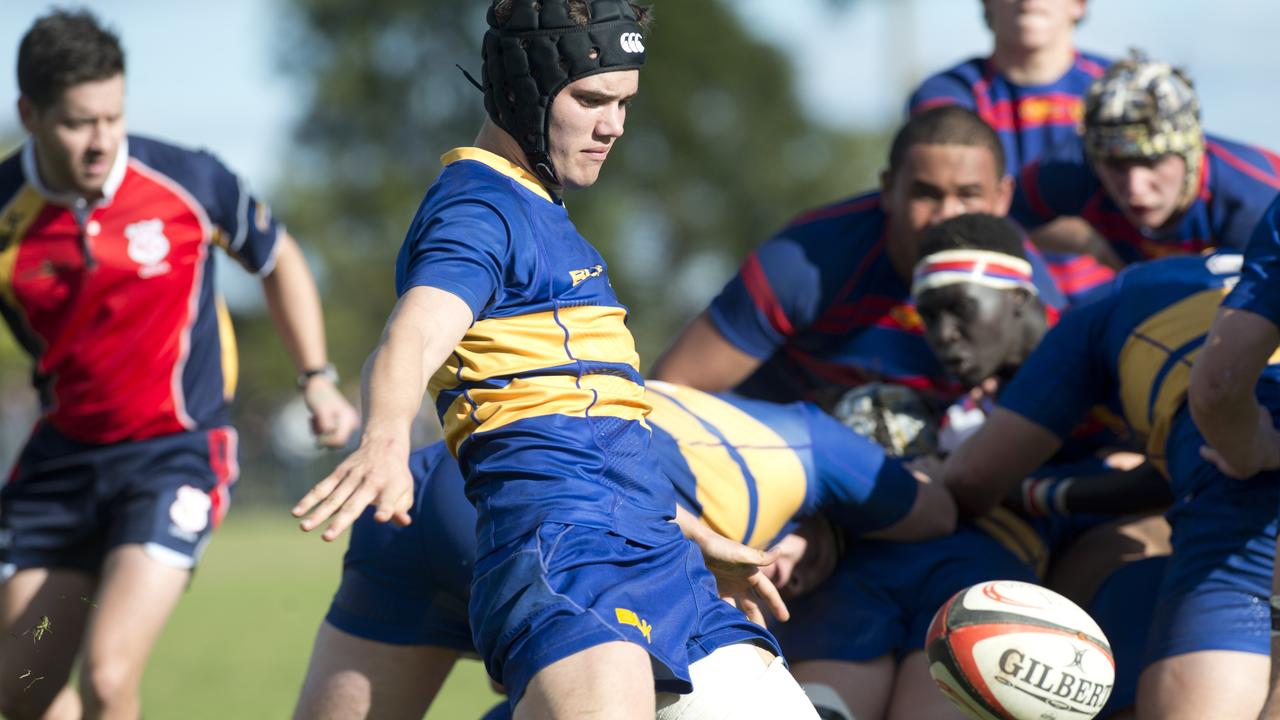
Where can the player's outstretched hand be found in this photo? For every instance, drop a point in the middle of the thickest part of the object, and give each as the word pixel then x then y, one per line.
pixel 375 474
pixel 333 419
pixel 1263 454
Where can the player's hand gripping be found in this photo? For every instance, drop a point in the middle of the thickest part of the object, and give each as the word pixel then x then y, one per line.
pixel 737 569
pixel 333 419
pixel 377 473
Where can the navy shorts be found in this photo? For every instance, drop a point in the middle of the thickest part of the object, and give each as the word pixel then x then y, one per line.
pixel 410 585
pixel 67 503
pixel 567 588
pixel 1122 607
pixel 1216 588
pixel 883 595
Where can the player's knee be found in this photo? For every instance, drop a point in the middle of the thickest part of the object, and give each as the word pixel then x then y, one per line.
pixel 107 683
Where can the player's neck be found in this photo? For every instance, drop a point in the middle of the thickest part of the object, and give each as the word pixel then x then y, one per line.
pixel 901 251
pixel 499 142
pixel 1034 66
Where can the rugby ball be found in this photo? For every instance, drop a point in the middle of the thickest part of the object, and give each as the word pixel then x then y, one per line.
pixel 1009 650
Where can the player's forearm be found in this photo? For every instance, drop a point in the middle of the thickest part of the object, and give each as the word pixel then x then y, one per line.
pixel 1221 394
pixel 294 304
pixel 1113 493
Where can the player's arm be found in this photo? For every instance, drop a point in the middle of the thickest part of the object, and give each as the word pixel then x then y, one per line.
pixel 294 305
pixel 1118 492
pixel 1075 235
pixel 775 293
pixel 1006 449
pixel 702 358
pixel 425 326
pixel 932 513
pixel 1242 440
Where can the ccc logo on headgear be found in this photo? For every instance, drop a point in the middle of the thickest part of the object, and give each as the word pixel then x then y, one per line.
pixel 632 42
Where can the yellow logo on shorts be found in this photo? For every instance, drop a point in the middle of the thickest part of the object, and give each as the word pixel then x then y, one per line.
pixel 579 276
pixel 628 617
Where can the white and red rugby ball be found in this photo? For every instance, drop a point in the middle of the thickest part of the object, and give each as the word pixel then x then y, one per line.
pixel 1009 650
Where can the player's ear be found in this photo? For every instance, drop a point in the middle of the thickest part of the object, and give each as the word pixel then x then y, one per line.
pixel 886 181
pixel 1019 297
pixel 27 113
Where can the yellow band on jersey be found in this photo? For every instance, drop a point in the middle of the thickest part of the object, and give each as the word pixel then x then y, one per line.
pixel 1151 400
pixel 710 433
pixel 15 218
pixel 529 344
pixel 485 409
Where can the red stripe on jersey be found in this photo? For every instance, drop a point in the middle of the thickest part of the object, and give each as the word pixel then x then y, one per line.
pixel 757 284
pixel 871 310
pixel 1243 166
pixel 931 103
pixel 1089 66
pixel 847 375
pixel 845 208
pixel 1030 184
pixel 226 470
pixel 1033 112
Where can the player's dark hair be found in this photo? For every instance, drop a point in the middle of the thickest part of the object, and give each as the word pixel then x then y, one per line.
pixel 63 49
pixel 975 231
pixel 946 125
pixel 579 12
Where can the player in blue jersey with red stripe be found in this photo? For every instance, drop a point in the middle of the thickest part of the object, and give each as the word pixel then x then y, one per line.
pixel 1031 90
pixel 586 599
pixel 1145 176
pixel 747 468
pixel 1132 351
pixel 107 247
pixel 1242 440
pixel 825 305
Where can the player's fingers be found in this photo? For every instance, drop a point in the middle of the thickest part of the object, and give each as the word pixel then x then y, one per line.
pixel 769 595
pixel 319 491
pixel 751 609
pixel 334 501
pixel 392 503
pixel 349 512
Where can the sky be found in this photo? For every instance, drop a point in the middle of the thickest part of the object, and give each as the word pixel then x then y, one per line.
pixel 206 74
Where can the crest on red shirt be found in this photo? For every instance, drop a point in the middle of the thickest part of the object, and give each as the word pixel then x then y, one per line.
pixel 148 246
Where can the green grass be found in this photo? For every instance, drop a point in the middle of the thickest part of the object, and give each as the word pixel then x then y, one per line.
pixel 238 644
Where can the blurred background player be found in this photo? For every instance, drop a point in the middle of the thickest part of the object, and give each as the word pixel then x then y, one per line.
pixel 750 470
pixel 1132 350
pixel 825 305
pixel 862 633
pixel 1144 175
pixel 1031 90
pixel 585 595
pixel 107 245
pixel 1240 433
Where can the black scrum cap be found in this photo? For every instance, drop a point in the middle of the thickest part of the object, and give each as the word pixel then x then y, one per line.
pixel 538 52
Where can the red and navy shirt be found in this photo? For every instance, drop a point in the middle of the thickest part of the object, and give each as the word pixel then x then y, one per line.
pixel 116 300
pixel 821 305
pixel 1237 183
pixel 1029 119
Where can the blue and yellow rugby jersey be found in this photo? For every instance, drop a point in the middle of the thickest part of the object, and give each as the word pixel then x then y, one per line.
pixel 542 401
pixel 747 467
pixel 1130 351
pixel 1259 288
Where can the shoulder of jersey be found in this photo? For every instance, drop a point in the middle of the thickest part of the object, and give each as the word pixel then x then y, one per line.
pixel 11 178
pixel 836 214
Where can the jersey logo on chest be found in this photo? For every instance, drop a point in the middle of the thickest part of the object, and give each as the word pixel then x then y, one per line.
pixel 148 246
pixel 580 276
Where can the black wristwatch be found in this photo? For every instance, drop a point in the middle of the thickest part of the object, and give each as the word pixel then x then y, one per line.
pixel 327 370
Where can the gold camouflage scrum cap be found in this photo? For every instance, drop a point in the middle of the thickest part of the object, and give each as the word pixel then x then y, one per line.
pixel 1142 108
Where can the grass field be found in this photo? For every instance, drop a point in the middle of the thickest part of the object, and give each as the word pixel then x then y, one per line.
pixel 237 647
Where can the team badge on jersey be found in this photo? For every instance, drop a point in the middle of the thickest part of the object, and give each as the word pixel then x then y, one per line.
pixel 629 617
pixel 148 247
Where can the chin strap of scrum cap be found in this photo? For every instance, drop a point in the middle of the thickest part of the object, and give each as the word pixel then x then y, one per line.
pixel 538 52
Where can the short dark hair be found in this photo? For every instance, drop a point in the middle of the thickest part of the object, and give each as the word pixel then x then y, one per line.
pixel 63 49
pixel 579 12
pixel 975 231
pixel 946 125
